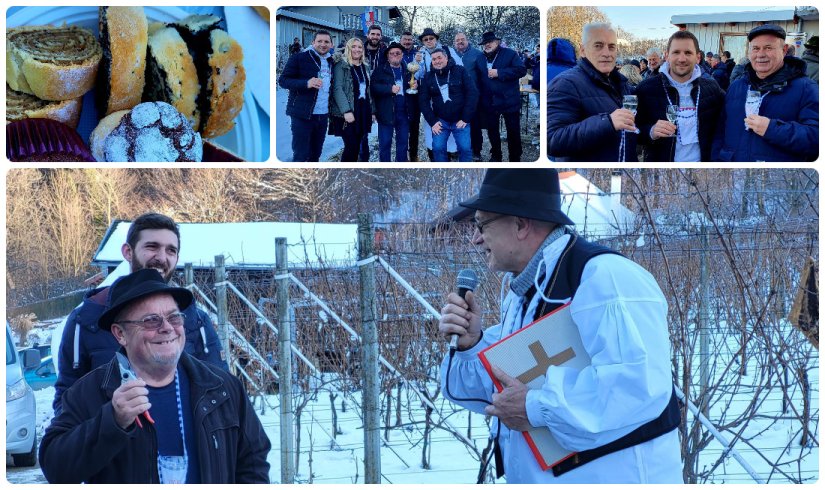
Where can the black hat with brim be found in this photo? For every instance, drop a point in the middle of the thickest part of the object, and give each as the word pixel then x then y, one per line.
pixel 427 32
pixel 487 37
pixel 137 285
pixel 771 29
pixel 527 193
pixel 395 45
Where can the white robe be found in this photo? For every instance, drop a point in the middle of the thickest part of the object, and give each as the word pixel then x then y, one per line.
pixel 622 317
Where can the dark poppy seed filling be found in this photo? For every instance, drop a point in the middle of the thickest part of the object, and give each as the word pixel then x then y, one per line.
pixel 156 87
pixel 197 39
pixel 104 70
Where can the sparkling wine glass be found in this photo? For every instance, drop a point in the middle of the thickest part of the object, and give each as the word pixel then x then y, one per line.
pixel 672 114
pixel 752 102
pixel 631 102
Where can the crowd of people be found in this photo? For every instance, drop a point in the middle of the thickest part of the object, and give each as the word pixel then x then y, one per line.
pixel 458 90
pixel 682 104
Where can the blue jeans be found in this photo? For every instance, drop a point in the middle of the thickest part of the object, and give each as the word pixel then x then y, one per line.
pixel 308 137
pixel 401 127
pixel 462 141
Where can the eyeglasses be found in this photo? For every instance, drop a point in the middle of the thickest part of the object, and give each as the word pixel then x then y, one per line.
pixel 428 38
pixel 155 322
pixel 481 224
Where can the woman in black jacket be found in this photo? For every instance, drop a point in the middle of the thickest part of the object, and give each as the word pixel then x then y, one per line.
pixel 351 107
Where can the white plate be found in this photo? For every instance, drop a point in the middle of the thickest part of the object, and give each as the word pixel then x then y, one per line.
pixel 244 139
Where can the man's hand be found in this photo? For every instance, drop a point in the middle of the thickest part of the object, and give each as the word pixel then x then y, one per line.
pixel 396 89
pixel 413 84
pixel 623 119
pixel 492 72
pixel 315 82
pixel 437 128
pixel 130 400
pixel 758 124
pixel 349 117
pixel 510 405
pixel 461 125
pixel 461 317
pixel 662 129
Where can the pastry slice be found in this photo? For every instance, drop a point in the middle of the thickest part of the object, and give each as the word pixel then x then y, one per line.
pixel 50 62
pixel 123 39
pixel 170 74
pixel 26 106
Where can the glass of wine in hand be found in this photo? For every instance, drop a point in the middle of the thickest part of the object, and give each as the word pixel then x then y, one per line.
pixel 631 102
pixel 672 114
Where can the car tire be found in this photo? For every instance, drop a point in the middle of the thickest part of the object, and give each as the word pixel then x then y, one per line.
pixel 26 459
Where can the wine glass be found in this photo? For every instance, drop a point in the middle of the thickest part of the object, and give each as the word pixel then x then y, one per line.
pixel 631 102
pixel 752 101
pixel 672 114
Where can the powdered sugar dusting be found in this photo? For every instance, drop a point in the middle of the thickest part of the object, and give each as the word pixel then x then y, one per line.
pixel 152 146
pixel 144 115
pixel 153 132
pixel 117 148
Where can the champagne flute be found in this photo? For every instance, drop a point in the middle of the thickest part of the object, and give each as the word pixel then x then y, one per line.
pixel 672 114
pixel 752 101
pixel 631 102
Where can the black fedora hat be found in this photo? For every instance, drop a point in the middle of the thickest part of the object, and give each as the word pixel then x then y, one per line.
pixel 427 32
pixel 140 284
pixel 489 36
pixel 527 193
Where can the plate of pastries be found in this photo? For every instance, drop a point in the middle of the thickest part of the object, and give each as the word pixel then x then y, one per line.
pixel 126 84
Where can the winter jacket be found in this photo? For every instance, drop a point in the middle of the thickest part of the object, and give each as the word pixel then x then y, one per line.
pixel 462 91
pixel 470 61
pixel 811 59
pixel 652 106
pixel 535 83
pixel 792 105
pixel 297 72
pixel 96 347
pixel 343 98
pixel 501 94
pixel 579 104
pixel 720 74
pixel 85 444
pixel 739 70
pixel 621 317
pixel 561 56
pixel 382 81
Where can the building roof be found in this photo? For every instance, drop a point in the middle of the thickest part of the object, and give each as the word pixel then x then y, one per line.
pixel 309 19
pixel 248 245
pixel 724 17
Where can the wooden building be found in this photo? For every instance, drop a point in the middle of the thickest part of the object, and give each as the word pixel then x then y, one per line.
pixel 341 22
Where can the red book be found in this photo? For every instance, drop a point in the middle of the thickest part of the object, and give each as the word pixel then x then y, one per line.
pixel 552 340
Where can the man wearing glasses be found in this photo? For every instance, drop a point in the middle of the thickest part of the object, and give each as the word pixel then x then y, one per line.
pixel 154 414
pixel 620 413
pixel 152 242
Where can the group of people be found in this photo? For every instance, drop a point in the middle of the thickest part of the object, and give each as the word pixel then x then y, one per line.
pixel 458 90
pixel 181 417
pixel 682 105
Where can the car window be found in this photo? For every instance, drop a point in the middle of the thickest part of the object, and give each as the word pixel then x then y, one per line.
pixel 11 357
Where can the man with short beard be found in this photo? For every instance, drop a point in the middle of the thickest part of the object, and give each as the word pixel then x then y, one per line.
pixel 152 242
pixel 202 427
pixel 375 49
pixel 394 107
pixel 408 57
pixel 784 123
pixel 500 96
pixel 700 100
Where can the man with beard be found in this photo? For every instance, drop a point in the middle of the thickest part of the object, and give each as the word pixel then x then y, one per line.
pixel 654 61
pixel 500 96
pixel 152 242
pixel 415 117
pixel 699 100
pixel 394 107
pixel 468 57
pixel 202 427
pixel 779 121
pixel 308 77
pixel 375 48
pixel 448 98
pixel 585 118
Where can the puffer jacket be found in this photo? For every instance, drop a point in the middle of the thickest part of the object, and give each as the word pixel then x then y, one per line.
pixel 462 91
pixel 792 105
pixel 579 103
pixel 561 56
pixel 382 81
pixel 343 98
pixel 94 347
pixel 653 102
pixel 297 72
pixel 85 444
pixel 811 59
pixel 501 94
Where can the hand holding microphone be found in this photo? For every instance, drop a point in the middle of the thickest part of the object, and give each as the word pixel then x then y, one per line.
pixel 460 317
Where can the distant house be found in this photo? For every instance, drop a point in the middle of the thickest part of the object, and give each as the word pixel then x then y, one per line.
pixel 341 22
pixel 728 31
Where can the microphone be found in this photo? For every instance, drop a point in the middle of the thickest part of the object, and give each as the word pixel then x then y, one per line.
pixel 464 282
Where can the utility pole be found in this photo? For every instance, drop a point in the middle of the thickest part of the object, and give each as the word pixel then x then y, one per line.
pixel 284 363
pixel 369 350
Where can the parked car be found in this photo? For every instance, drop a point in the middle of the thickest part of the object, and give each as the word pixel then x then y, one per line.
pixel 21 413
pixel 43 375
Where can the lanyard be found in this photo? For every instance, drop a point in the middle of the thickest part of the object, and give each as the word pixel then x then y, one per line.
pixel 360 75
pixel 437 82
pixel 698 96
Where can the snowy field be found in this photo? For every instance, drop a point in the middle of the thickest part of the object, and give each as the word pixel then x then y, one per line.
pixel 339 459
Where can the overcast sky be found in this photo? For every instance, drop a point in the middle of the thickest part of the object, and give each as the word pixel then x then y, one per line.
pixel 654 22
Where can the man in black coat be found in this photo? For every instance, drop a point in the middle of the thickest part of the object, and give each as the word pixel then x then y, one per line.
pixel 448 99
pixel 719 72
pixel 699 100
pixel 499 96
pixel 585 118
pixel 308 77
pixel 202 427
pixel 394 107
